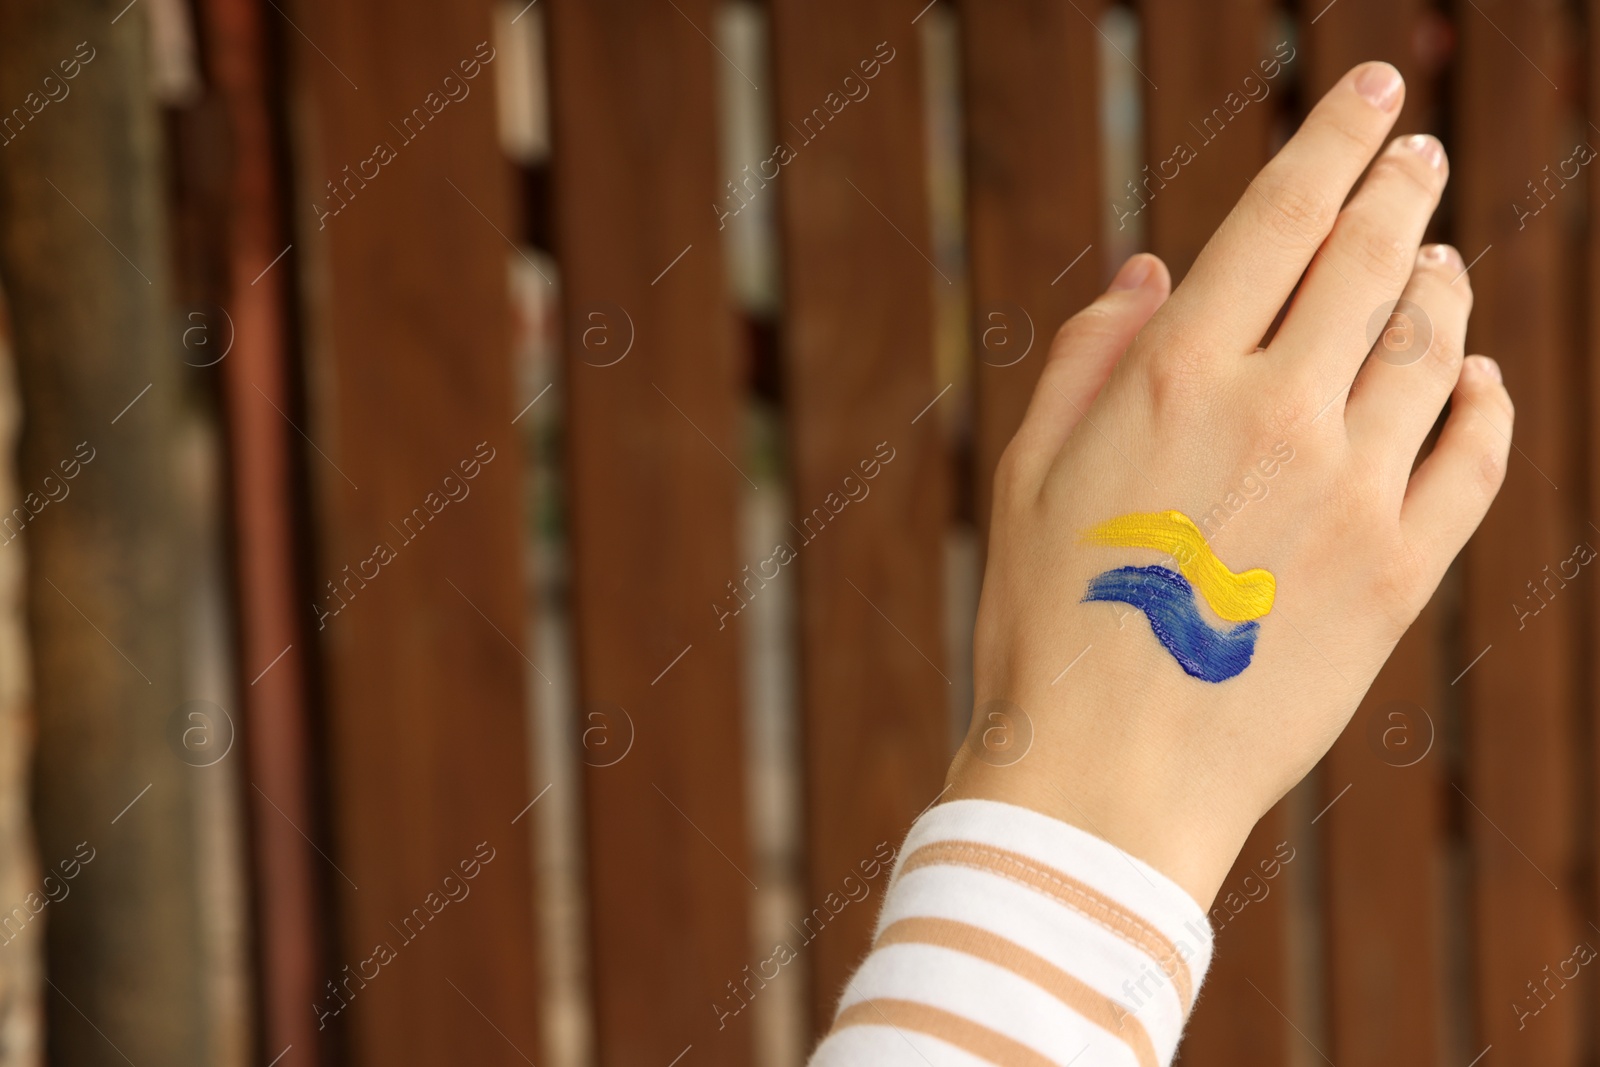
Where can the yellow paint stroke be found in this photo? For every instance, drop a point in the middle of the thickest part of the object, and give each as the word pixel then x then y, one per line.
pixel 1235 597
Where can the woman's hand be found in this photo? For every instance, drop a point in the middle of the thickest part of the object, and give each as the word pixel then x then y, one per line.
pixel 1203 551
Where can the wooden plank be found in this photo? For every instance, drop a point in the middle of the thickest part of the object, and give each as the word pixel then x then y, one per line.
pixel 1589 348
pixel 83 254
pixel 402 193
pixel 1509 124
pixel 21 1002
pixel 1206 90
pixel 1237 1019
pixel 1196 64
pixel 1035 202
pixel 655 469
pixel 1383 840
pixel 266 491
pixel 1408 34
pixel 858 344
pixel 1383 854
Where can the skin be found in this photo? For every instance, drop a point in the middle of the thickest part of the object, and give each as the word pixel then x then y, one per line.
pixel 1156 399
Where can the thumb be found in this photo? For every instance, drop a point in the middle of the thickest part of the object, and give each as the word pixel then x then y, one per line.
pixel 1082 355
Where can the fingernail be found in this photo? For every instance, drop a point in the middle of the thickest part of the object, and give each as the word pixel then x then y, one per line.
pixel 1487 367
pixel 1443 255
pixel 1426 147
pixel 1380 84
pixel 1132 275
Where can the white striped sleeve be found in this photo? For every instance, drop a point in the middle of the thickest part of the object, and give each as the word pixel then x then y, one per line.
pixel 1008 937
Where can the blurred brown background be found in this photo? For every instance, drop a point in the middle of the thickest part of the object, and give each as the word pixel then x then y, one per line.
pixel 436 627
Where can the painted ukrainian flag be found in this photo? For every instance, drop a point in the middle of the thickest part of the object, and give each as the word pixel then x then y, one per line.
pixel 1167 598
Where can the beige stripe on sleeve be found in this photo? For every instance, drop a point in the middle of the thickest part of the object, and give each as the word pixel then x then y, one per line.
pixel 1084 999
pixel 1082 898
pixel 953 1029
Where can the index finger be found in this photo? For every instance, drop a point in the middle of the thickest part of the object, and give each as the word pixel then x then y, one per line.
pixel 1253 262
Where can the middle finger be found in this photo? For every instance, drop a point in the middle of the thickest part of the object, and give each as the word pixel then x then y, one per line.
pixel 1363 265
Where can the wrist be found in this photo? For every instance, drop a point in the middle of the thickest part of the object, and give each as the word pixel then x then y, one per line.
pixel 1150 807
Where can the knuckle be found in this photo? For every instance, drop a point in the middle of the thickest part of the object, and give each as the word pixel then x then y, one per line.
pixel 1376 249
pixel 1174 379
pixel 1443 361
pixel 1008 474
pixel 1488 471
pixel 1089 323
pixel 1183 362
pixel 1396 584
pixel 1285 414
pixel 1358 137
pixel 1298 210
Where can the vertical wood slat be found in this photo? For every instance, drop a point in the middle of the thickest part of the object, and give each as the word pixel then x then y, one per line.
pixel 1382 841
pixel 858 346
pixel 652 525
pixel 1034 196
pixel 1383 862
pixel 83 254
pixel 411 379
pixel 1519 695
pixel 1237 1020
pixel 1194 58
pixel 290 910
pixel 1589 350
pixel 22 972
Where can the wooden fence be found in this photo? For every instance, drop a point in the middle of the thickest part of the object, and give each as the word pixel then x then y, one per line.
pixel 1444 853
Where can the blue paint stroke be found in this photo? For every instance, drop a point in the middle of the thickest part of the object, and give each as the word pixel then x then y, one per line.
pixel 1167 600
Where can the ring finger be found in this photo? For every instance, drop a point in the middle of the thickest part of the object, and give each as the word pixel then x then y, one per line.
pixel 1414 365
pixel 1364 264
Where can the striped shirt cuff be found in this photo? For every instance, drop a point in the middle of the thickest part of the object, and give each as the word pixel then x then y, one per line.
pixel 1009 937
